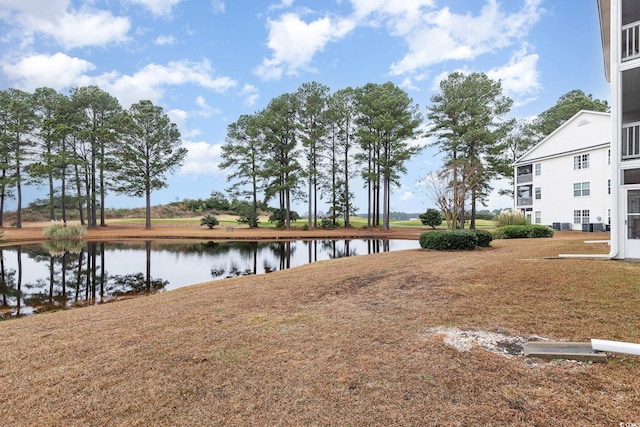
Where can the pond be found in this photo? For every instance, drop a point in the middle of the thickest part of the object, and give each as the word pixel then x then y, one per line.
pixel 35 278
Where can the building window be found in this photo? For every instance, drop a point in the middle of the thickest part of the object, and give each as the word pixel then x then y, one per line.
pixel 581 162
pixel 537 169
pixel 585 216
pixel 581 216
pixel 538 217
pixel 609 186
pixel 630 176
pixel 608 157
pixel 581 189
pixel 538 193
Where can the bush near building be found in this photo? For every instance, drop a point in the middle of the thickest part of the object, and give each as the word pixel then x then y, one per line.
pixel 530 231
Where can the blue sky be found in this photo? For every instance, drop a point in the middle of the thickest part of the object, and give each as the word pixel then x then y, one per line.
pixel 206 62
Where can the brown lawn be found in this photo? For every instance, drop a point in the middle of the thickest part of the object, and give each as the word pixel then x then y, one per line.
pixel 341 342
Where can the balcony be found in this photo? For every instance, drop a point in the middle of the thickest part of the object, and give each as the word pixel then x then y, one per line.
pixel 525 178
pixel 631 41
pixel 525 201
pixel 630 141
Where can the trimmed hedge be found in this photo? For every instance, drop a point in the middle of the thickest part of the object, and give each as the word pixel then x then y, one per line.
pixel 484 237
pixel 531 231
pixel 443 240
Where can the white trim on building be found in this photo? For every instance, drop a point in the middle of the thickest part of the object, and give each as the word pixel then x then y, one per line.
pixel 620 31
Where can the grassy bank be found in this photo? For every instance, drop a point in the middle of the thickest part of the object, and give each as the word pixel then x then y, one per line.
pixel 354 341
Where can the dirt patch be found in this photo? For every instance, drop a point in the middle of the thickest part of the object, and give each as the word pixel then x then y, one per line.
pixel 495 342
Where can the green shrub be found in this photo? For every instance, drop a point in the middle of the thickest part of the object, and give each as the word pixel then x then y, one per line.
pixel 279 217
pixel 484 237
pixel 249 218
pixel 61 231
pixel 210 221
pixel 530 231
pixel 443 240
pixel 511 218
pixel 540 231
pixel 432 218
pixel 327 224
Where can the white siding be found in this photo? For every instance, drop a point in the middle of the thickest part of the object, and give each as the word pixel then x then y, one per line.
pixel 585 129
pixel 558 176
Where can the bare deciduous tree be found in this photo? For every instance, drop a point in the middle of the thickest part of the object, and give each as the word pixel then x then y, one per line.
pixel 450 188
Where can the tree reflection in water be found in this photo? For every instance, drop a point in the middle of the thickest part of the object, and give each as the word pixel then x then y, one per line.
pixel 76 277
pixel 54 275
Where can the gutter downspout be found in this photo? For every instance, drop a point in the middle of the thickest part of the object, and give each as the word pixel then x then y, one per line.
pixel 616 346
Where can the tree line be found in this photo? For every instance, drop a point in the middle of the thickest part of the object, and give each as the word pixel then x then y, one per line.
pixel 311 144
pixel 81 146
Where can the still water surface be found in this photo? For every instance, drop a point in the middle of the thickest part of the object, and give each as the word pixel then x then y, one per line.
pixel 41 277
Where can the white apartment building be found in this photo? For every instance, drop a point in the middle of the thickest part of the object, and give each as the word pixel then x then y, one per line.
pixel 564 181
pixel 620 30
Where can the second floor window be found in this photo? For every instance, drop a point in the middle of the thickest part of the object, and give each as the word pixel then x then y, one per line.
pixel 538 193
pixel 581 162
pixel 581 189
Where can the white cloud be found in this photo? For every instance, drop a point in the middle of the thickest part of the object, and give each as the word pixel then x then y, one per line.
pixel 158 7
pixel 148 83
pixel 406 196
pixel 69 27
pixel 284 4
pixel 401 16
pixel 205 109
pixel 250 94
pixel 520 77
pixel 165 40
pixel 179 117
pixel 218 6
pixel 434 36
pixel 202 158
pixel 294 42
pixel 58 71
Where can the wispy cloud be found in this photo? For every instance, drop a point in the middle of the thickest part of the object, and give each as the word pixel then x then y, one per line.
pixel 158 7
pixel 165 40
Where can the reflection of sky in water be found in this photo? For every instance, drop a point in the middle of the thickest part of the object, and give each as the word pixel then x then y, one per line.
pixel 201 264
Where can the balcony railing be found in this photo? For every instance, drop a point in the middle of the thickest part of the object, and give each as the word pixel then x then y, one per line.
pixel 631 41
pixel 630 141
pixel 525 178
pixel 525 201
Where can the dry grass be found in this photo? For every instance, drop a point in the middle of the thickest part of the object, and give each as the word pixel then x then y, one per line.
pixel 341 342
